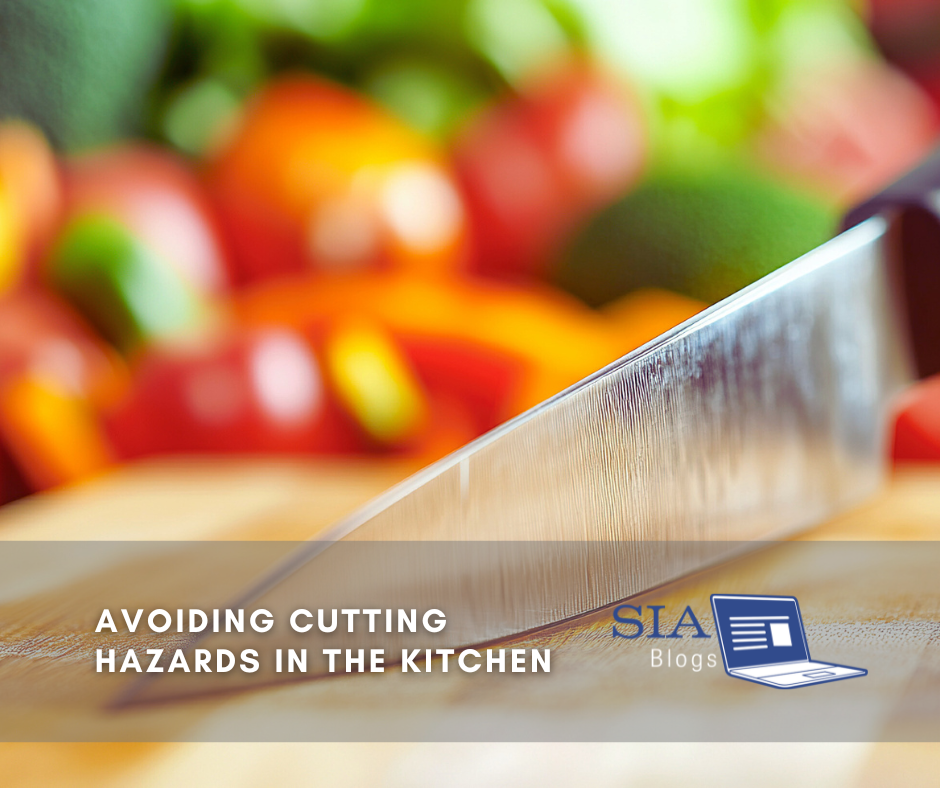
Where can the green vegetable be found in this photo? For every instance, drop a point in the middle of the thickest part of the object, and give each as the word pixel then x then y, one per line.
pixel 427 96
pixel 79 68
pixel 705 234
pixel 120 285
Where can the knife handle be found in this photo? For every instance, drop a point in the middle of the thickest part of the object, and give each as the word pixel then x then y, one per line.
pixel 912 208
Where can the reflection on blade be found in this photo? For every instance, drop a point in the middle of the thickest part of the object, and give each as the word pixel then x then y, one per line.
pixel 762 415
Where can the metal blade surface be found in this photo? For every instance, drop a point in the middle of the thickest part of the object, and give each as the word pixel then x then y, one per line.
pixel 762 415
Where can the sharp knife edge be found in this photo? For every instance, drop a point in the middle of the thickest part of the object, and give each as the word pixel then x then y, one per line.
pixel 759 416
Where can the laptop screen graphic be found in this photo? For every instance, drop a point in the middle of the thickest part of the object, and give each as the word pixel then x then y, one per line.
pixel 759 630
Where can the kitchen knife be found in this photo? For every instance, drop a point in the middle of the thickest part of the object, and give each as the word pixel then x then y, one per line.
pixel 760 416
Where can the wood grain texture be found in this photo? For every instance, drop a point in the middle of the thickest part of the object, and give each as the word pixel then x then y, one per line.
pixel 286 501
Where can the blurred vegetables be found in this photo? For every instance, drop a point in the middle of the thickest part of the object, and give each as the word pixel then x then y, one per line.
pixel 917 428
pixel 482 352
pixel 79 70
pixel 41 336
pixel 424 94
pixel 542 329
pixel 703 64
pixel 471 387
pixel 51 432
pixel 534 164
pixel 33 184
pixel 244 391
pixel 374 382
pixel 709 67
pixel 55 373
pixel 12 484
pixel 156 196
pixel 328 273
pixel 703 233
pixel 318 178
pixel 644 314
pixel 908 33
pixel 11 242
pixel 424 59
pixel 849 130
pixel 121 286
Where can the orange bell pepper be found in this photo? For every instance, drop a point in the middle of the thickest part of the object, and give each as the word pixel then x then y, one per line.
pixel 50 432
pixel 528 343
pixel 318 177
pixel 642 315
pixel 539 327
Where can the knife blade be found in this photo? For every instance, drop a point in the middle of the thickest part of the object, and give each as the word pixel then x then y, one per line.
pixel 758 417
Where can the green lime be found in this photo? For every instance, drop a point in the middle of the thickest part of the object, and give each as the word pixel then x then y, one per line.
pixel 705 234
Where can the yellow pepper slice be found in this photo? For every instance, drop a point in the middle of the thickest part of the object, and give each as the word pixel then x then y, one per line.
pixel 11 241
pixel 374 381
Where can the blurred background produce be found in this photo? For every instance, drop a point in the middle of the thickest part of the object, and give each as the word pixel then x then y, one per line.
pixel 363 228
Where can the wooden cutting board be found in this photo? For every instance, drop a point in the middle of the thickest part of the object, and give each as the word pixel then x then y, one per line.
pixel 272 501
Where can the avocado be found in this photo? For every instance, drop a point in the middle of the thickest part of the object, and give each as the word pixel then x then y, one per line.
pixel 703 233
pixel 79 69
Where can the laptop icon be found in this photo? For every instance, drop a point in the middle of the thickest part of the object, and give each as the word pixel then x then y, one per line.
pixel 762 640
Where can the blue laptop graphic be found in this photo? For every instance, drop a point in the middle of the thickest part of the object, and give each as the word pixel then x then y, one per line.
pixel 762 640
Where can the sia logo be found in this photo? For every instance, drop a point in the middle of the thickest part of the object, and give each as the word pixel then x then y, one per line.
pixel 628 624
pixel 762 640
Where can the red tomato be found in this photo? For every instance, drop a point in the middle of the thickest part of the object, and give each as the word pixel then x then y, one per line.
pixel 318 177
pixel 850 131
pixel 533 165
pixel 155 195
pixel 254 391
pixel 917 429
